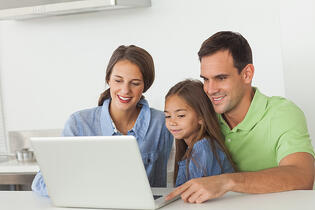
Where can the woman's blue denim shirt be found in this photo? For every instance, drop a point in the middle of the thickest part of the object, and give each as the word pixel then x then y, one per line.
pixel 203 163
pixel 154 140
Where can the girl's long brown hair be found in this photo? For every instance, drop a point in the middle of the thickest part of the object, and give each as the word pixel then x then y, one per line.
pixel 192 92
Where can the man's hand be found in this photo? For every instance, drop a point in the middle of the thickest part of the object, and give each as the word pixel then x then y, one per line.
pixel 295 172
pixel 202 189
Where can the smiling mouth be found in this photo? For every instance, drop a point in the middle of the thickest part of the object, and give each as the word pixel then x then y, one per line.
pixel 175 131
pixel 124 99
pixel 217 100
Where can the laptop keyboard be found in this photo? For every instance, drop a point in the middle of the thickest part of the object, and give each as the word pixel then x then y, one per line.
pixel 157 196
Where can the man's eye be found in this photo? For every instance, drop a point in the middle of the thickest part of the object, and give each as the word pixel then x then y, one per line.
pixel 222 77
pixel 181 115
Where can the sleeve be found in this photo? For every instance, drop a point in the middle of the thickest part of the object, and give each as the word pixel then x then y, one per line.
pixel 202 161
pixel 39 186
pixel 290 126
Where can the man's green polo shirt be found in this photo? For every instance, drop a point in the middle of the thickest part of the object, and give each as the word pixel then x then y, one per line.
pixel 273 128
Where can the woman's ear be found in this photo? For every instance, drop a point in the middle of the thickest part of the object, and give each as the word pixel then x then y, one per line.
pixel 200 121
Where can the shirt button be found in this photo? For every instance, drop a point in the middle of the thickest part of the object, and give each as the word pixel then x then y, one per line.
pixel 229 140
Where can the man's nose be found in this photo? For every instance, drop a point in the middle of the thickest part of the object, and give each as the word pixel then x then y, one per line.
pixel 210 87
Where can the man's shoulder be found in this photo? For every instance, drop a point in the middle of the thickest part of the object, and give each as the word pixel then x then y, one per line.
pixel 279 105
pixel 284 115
pixel 274 102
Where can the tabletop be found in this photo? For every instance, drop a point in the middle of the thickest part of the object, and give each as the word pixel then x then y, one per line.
pixel 300 199
pixel 13 166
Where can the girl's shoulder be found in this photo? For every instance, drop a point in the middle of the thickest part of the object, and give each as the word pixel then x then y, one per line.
pixel 203 148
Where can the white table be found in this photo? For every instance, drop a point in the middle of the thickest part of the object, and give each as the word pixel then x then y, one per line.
pixel 292 200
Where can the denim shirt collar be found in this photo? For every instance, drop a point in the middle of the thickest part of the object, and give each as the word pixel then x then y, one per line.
pixel 139 129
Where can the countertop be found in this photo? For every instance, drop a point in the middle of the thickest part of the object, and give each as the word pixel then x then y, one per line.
pixel 13 166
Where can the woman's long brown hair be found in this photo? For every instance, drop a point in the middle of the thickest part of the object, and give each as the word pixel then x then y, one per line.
pixel 192 92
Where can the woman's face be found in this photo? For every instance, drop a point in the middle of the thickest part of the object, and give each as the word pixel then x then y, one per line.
pixel 126 85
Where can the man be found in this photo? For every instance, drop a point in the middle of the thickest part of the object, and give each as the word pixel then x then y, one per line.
pixel 266 136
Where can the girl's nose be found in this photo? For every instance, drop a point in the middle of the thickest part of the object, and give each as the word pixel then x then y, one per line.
pixel 172 122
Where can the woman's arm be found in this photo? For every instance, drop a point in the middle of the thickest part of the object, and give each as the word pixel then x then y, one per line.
pixel 39 185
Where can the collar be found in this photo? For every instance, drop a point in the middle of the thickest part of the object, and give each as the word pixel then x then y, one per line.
pixel 254 114
pixel 139 129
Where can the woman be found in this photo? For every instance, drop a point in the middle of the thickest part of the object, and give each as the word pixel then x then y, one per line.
pixel 122 110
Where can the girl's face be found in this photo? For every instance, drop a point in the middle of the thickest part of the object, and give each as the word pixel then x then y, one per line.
pixel 181 120
pixel 126 85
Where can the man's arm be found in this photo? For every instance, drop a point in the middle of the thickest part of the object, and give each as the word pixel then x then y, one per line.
pixel 295 172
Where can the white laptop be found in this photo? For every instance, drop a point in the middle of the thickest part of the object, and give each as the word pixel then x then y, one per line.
pixel 95 172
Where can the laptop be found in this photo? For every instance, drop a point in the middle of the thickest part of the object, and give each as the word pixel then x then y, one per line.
pixel 96 172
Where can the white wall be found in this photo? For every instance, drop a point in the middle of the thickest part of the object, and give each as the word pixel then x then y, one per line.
pixel 298 45
pixel 54 66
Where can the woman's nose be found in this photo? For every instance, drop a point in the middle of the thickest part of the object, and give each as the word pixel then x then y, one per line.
pixel 125 88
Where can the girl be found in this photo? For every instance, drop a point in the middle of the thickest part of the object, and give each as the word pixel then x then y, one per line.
pixel 200 149
pixel 122 110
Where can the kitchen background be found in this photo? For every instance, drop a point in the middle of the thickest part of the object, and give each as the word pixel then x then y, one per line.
pixel 51 67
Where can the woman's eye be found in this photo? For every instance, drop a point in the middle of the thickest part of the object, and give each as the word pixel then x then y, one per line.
pixel 181 115
pixel 167 116
pixel 135 84
pixel 117 81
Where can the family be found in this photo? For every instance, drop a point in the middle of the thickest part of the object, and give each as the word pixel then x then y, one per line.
pixel 228 135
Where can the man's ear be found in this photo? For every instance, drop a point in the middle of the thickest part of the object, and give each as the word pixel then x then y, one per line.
pixel 248 73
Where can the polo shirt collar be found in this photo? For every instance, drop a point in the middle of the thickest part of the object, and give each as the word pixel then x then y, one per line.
pixel 254 114
pixel 139 129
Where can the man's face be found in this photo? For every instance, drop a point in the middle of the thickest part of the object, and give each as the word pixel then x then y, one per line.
pixel 222 82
